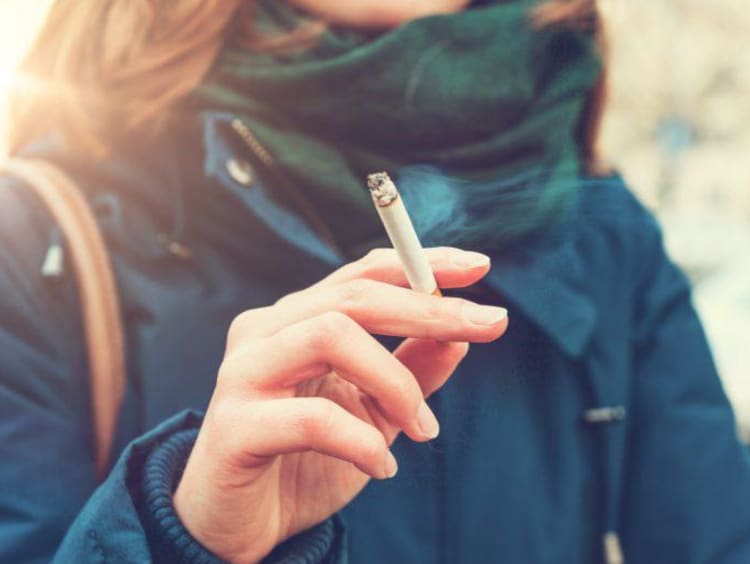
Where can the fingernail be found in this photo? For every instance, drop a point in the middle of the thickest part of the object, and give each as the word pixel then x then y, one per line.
pixel 484 315
pixel 427 422
pixel 470 259
pixel 391 466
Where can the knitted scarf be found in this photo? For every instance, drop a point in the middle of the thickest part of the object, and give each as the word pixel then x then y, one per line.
pixel 492 105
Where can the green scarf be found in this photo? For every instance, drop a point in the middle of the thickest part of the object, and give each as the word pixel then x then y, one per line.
pixel 479 95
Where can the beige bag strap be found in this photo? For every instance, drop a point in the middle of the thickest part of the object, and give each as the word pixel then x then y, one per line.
pixel 100 307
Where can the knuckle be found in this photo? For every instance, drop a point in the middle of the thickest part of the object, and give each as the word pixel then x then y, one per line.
pixel 222 415
pixel 229 368
pixel 287 299
pixel 317 422
pixel 336 321
pixel 226 369
pixel 435 311
pixel 239 323
pixel 406 392
pixel 245 323
pixel 374 263
pixel 372 447
pixel 328 328
pixel 407 388
pixel 235 368
pixel 354 293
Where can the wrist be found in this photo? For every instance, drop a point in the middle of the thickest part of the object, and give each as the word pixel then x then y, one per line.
pixel 220 513
pixel 202 524
pixel 169 539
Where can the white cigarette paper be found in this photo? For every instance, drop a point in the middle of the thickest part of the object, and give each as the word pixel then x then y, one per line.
pixel 401 232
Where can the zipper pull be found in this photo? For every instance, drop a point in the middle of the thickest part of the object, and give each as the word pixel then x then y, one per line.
pixel 54 260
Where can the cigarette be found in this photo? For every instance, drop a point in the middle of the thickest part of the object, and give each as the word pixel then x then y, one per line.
pixel 401 232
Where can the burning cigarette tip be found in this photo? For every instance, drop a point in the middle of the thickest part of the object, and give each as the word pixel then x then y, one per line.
pixel 392 212
pixel 382 189
pixel 377 179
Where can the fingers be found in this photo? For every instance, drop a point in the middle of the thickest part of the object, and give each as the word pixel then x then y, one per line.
pixel 384 309
pixel 333 341
pixel 311 424
pixel 453 268
pixel 366 291
pixel 432 363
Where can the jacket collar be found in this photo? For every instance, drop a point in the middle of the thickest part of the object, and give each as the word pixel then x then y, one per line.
pixel 546 284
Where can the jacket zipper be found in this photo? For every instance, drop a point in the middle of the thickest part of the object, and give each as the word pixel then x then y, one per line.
pixel 303 205
pixel 252 143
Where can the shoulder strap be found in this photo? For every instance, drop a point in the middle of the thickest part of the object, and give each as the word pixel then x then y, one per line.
pixel 100 308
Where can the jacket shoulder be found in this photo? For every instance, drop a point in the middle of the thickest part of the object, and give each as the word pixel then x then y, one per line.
pixel 610 207
pixel 44 398
pixel 26 233
pixel 37 313
pixel 618 231
pixel 624 243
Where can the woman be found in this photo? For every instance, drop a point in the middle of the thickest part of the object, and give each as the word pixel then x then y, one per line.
pixel 224 143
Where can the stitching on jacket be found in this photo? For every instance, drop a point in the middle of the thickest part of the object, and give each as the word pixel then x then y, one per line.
pixel 96 545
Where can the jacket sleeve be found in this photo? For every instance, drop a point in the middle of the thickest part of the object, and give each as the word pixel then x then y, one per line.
pixel 50 505
pixel 687 494
pixel 131 518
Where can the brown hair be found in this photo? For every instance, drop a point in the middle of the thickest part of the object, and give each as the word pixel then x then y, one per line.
pixel 100 67
pixel 583 14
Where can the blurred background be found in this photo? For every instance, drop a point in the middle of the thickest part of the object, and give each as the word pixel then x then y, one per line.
pixel 677 127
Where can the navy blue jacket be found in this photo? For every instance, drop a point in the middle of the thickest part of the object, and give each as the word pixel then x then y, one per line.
pixel 600 412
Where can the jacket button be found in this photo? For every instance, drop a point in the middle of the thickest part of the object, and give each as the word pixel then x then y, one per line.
pixel 240 171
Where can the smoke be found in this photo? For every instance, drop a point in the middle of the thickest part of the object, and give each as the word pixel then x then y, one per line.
pixel 487 214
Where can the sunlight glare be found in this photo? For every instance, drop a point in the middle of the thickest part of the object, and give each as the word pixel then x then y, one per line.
pixel 19 19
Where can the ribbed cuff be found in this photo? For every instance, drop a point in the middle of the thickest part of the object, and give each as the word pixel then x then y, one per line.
pixel 309 547
pixel 171 541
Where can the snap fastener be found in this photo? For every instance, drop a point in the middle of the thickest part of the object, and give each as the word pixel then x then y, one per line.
pixel 240 171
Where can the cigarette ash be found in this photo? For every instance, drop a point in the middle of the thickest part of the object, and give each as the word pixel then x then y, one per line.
pixel 382 189
pixel 489 214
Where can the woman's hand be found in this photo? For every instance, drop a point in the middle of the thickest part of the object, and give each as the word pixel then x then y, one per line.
pixel 307 402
